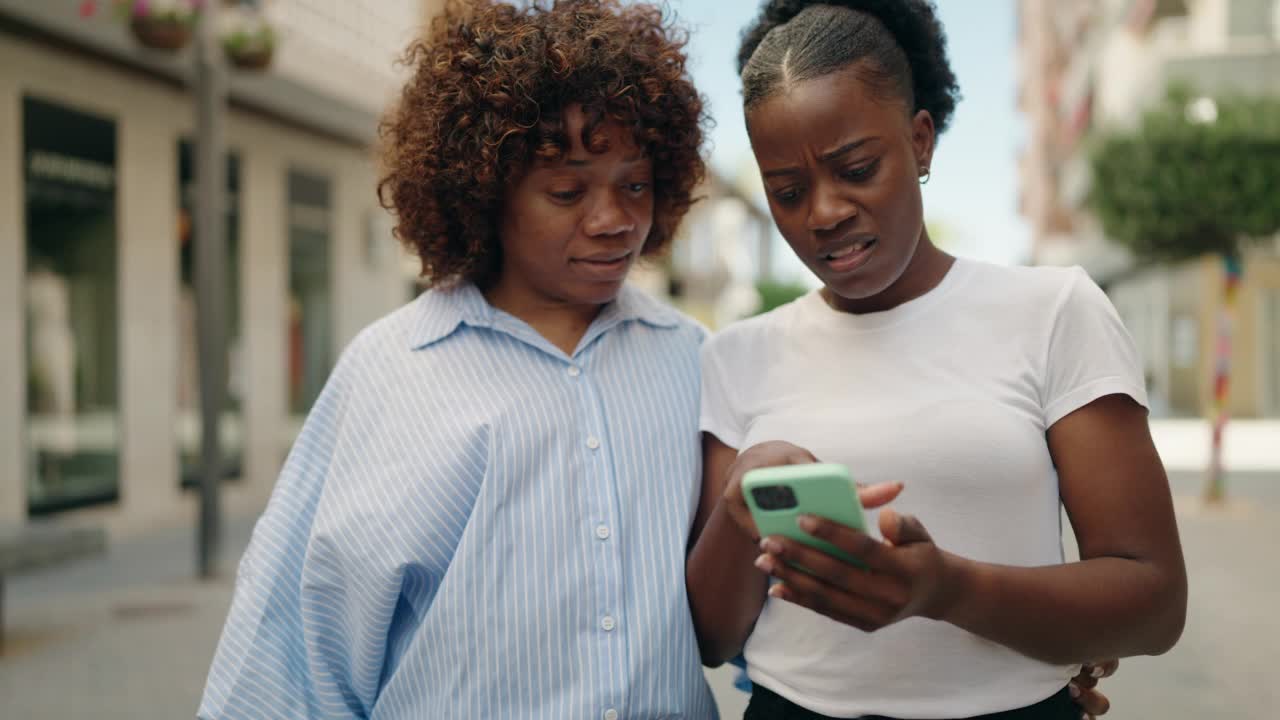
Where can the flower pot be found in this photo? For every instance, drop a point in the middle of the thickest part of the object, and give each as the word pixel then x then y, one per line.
pixel 161 33
pixel 257 59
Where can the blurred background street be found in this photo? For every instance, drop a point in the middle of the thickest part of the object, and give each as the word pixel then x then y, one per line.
pixel 1139 139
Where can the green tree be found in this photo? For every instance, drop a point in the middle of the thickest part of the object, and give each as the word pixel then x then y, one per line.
pixel 1197 177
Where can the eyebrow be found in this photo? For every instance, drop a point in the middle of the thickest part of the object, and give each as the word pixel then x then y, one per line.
pixel 824 157
pixel 580 162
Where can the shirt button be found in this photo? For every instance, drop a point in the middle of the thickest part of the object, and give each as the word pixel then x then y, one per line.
pixel 602 532
pixel 608 623
pixel 593 443
pixel 610 714
pixel 574 371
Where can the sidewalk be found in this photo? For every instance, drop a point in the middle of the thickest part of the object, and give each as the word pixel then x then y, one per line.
pixel 131 637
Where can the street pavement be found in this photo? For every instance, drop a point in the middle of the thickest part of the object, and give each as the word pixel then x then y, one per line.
pixel 131 636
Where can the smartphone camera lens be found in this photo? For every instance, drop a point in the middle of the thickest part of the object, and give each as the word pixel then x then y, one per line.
pixel 774 497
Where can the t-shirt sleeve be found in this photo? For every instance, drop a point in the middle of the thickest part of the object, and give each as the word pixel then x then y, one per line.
pixel 1090 353
pixel 719 415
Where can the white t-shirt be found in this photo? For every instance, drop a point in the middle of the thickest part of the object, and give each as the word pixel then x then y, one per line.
pixel 951 394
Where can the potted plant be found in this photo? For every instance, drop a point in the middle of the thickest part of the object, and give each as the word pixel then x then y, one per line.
pixel 161 24
pixel 248 37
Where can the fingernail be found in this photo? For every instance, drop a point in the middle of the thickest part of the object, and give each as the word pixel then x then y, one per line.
pixel 1074 690
pixel 1096 672
pixel 770 545
pixel 765 563
pixel 777 591
pixel 807 523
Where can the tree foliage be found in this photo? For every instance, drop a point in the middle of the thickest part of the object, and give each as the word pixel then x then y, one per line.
pixel 1180 186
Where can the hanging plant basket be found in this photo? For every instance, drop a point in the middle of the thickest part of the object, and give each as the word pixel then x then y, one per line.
pixel 256 59
pixel 161 32
pixel 249 42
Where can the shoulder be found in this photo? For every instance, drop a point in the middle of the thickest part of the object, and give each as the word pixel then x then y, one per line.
pixel 1030 294
pixel 1030 283
pixel 378 353
pixel 388 336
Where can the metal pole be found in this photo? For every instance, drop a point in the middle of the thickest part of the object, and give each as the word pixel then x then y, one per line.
pixel 210 278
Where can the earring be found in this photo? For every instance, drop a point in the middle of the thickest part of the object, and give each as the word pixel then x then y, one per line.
pixel 925 174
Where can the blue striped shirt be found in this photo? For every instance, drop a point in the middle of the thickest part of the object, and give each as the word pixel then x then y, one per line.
pixel 473 524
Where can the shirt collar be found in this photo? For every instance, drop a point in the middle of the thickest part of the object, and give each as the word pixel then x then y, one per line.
pixel 440 311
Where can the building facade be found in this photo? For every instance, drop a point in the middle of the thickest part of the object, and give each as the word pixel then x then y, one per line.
pixel 99 400
pixel 1091 65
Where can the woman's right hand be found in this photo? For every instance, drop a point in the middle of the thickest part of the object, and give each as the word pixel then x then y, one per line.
pixel 773 454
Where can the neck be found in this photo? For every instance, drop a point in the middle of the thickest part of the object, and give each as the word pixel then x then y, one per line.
pixel 926 269
pixel 562 323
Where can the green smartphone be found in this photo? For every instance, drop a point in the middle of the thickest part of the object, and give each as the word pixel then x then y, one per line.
pixel 778 496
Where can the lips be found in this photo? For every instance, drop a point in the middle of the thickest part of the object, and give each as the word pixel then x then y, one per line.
pixel 848 255
pixel 608 266
pixel 605 257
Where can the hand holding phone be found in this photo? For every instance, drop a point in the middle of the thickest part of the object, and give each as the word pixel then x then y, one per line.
pixel 778 496
pixel 771 453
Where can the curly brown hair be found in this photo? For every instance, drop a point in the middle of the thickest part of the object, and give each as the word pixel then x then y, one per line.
pixel 490 83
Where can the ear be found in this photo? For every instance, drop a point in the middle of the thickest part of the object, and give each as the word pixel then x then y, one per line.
pixel 923 136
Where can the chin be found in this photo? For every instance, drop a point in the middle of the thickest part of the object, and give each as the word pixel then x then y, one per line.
pixel 858 289
pixel 595 293
pixel 858 286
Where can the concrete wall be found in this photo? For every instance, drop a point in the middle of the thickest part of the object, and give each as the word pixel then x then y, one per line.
pixel 150 118
pixel 1143 304
pixel 1187 333
pixel 13 503
pixel 346 47
pixel 1238 72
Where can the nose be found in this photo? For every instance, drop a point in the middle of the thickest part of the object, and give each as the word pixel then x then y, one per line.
pixel 607 216
pixel 829 208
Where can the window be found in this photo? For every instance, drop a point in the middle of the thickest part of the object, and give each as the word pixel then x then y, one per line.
pixel 310 298
pixel 72 338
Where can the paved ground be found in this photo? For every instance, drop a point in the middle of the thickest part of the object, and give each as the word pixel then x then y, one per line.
pixel 131 636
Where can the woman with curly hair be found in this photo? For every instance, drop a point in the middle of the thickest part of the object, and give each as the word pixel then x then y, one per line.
pixel 995 395
pixel 486 512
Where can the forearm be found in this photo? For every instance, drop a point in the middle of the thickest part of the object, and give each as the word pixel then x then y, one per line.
pixel 726 591
pixel 1077 612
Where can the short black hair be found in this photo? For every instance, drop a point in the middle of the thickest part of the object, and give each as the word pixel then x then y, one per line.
pixel 794 40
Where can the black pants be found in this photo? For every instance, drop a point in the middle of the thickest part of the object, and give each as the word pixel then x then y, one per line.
pixel 768 705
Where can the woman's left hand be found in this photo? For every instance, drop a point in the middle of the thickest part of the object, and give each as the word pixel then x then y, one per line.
pixel 1084 688
pixel 906 574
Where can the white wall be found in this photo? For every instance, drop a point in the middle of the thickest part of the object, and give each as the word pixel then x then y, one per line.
pixel 1144 305
pixel 147 262
pixel 1208 26
pixel 1129 78
pixel 264 275
pixel 13 404
pixel 346 47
